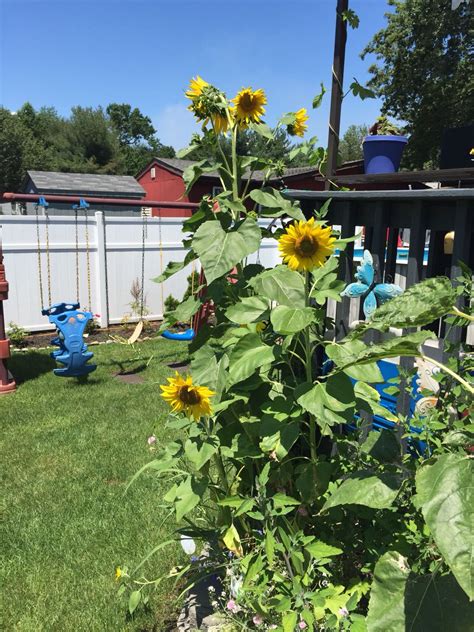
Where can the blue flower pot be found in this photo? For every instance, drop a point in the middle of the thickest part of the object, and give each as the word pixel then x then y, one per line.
pixel 382 154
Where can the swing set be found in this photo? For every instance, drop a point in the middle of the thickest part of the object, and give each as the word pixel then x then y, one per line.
pixel 68 318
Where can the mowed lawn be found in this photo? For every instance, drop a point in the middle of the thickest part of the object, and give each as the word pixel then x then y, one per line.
pixel 68 451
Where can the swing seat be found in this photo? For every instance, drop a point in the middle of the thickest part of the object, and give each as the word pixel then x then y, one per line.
pixel 188 334
pixel 70 322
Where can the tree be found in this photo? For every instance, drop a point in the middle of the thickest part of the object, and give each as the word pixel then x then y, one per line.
pixel 19 151
pixel 249 143
pixel 424 72
pixel 136 136
pixel 350 147
pixel 93 145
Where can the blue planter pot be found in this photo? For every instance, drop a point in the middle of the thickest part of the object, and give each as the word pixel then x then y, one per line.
pixel 382 154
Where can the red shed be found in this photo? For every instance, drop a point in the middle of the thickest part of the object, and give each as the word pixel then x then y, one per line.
pixel 162 179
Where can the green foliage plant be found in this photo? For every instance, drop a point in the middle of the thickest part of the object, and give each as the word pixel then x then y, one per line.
pixel 308 525
pixel 17 335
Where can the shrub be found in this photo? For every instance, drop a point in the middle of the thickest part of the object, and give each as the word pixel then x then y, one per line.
pixel 17 335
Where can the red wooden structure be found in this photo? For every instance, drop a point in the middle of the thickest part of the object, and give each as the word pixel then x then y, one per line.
pixel 7 383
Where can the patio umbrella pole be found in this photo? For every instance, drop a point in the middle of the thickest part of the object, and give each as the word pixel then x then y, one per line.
pixel 336 89
pixel 7 384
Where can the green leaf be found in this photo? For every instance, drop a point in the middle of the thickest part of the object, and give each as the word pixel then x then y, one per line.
pixel 320 550
pixel 377 492
pixel 289 621
pixel 289 320
pixel 318 99
pixel 436 603
pixel 249 354
pixel 420 305
pixel 262 129
pixel 248 310
pixel 329 405
pixel 192 173
pixel 382 445
pixel 199 452
pixel 232 540
pixel 175 266
pixel 280 284
pixel 270 546
pixel 444 493
pixel 189 494
pixel 369 398
pixel 351 18
pixel 355 352
pixel 134 600
pixel 220 250
pixel 361 91
pixel 387 597
pixel 282 500
pixel 274 204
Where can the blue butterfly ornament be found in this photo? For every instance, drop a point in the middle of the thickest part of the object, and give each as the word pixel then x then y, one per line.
pixel 374 294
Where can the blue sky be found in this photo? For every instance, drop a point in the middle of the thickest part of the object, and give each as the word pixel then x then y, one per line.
pixel 143 52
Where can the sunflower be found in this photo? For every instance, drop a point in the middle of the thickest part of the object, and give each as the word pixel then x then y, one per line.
pixel 305 246
pixel 249 106
pixel 184 396
pixel 196 86
pixel 220 123
pixel 299 127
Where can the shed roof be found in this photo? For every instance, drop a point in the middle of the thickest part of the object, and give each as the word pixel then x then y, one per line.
pixel 86 184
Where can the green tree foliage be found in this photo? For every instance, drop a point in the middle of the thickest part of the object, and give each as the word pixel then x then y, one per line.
pixel 249 143
pixel 424 72
pixel 116 140
pixel 350 147
pixel 19 150
pixel 137 137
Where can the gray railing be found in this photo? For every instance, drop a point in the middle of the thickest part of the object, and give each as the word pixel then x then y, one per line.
pixel 383 214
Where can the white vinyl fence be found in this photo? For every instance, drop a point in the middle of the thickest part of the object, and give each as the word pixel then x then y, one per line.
pixel 115 260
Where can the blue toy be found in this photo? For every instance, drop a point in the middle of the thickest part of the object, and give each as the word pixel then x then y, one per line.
pixel 374 294
pixel 70 322
pixel 188 334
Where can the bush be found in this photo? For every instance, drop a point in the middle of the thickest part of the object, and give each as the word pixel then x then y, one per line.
pixel 17 335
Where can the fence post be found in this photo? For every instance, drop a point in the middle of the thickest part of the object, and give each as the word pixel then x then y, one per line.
pixel 101 267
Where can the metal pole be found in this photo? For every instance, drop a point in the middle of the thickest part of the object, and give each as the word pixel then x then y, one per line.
pixel 7 384
pixel 336 89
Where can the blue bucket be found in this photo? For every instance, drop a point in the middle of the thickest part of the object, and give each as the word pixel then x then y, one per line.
pixel 382 154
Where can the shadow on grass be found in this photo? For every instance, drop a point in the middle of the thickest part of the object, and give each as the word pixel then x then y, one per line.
pixel 29 366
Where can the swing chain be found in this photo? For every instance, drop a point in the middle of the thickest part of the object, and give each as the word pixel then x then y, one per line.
pixel 86 217
pixel 77 254
pixel 40 275
pixel 48 259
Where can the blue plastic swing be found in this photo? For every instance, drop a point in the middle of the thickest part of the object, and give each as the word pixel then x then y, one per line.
pixel 70 322
pixel 188 334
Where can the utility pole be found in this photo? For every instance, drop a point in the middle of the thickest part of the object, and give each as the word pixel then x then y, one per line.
pixel 336 89
pixel 7 384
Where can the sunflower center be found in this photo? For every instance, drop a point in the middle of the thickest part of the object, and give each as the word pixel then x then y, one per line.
pixel 306 246
pixel 189 395
pixel 247 102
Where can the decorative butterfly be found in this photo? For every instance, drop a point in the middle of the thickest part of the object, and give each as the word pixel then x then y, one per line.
pixel 374 294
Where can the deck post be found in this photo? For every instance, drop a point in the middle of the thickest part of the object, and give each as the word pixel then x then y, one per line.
pixel 7 383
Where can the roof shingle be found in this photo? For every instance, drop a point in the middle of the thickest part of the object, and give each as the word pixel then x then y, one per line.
pixel 86 184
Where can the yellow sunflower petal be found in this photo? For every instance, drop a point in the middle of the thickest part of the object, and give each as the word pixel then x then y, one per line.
pixel 305 246
pixel 184 396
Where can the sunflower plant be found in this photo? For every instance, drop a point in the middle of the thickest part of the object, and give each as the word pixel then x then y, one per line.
pixel 309 518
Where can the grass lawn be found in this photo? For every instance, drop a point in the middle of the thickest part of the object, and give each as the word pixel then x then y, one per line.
pixel 68 450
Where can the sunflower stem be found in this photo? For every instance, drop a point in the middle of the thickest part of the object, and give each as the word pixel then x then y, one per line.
pixel 309 370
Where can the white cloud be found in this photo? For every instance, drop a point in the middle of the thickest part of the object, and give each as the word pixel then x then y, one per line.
pixel 175 124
